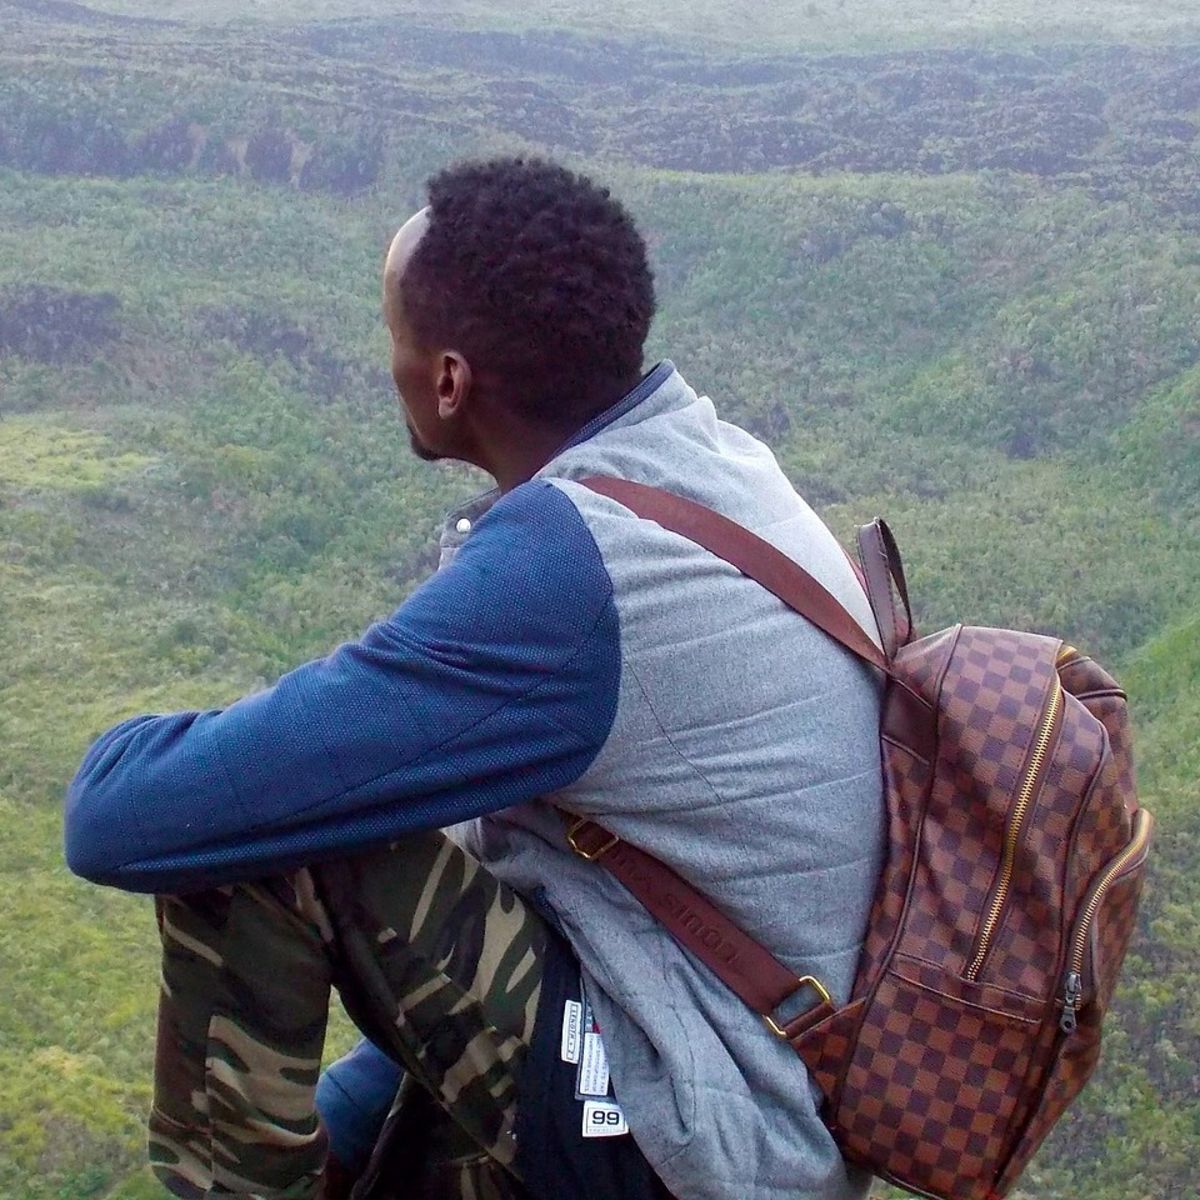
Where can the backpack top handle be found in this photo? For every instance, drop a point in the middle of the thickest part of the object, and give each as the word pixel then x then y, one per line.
pixel 883 571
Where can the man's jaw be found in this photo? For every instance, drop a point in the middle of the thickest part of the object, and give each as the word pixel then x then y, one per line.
pixel 419 448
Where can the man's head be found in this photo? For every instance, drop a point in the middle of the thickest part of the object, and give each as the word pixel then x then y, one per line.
pixel 518 303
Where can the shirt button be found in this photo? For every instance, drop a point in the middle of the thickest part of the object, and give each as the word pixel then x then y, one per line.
pixel 462 525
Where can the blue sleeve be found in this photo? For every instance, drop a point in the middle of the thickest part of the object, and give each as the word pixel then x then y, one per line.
pixel 354 1097
pixel 495 682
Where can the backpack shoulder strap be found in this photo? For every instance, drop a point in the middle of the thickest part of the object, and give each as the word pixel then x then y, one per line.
pixel 753 556
pixel 749 970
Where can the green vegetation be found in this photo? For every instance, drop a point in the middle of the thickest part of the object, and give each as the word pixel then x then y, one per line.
pixel 36 456
pixel 960 288
pixel 771 24
pixel 334 106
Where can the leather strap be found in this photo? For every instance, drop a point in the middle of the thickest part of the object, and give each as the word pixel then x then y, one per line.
pixel 883 577
pixel 753 556
pixel 759 978
pixel 748 969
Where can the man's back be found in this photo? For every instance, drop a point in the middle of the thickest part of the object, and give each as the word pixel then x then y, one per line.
pixel 743 753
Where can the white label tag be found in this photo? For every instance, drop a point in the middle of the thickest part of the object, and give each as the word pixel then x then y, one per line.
pixel 593 1067
pixel 603 1118
pixel 572 1031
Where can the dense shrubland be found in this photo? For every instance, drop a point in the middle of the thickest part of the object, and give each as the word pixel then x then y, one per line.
pixel 971 301
pixel 313 108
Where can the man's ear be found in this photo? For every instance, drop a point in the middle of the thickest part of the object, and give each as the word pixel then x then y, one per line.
pixel 453 384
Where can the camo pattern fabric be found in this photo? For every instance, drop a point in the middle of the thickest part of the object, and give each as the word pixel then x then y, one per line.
pixel 437 962
pixel 422 1154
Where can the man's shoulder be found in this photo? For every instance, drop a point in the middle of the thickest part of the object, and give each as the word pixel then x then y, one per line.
pixel 528 573
pixel 532 535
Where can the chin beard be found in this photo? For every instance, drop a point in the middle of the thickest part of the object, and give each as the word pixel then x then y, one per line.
pixel 419 448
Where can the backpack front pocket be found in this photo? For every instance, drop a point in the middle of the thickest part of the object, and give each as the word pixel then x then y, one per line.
pixel 931 1093
pixel 1096 948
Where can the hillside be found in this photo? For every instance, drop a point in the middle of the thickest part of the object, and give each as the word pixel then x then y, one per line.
pixel 955 284
pixel 723 25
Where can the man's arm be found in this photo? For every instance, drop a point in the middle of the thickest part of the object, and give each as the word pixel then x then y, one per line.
pixel 495 682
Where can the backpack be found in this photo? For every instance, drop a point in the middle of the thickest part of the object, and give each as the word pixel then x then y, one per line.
pixel 1015 857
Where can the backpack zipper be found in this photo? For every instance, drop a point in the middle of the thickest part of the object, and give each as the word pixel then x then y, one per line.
pixel 1025 794
pixel 1073 983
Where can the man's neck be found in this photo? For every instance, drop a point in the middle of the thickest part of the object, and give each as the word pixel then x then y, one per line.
pixel 522 456
pixel 525 447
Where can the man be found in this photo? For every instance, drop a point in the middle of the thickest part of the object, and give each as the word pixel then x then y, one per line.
pixel 567 657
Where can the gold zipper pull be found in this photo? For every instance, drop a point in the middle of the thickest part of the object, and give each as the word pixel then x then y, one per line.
pixel 1072 991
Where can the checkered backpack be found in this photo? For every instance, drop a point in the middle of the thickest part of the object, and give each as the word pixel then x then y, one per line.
pixel 1016 852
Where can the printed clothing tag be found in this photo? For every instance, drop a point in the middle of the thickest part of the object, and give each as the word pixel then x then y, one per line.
pixel 572 1031
pixel 593 1067
pixel 603 1118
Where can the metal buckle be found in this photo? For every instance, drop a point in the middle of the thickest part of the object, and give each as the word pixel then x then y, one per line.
pixel 590 855
pixel 806 981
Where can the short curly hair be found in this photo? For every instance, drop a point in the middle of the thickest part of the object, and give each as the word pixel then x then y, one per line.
pixel 538 275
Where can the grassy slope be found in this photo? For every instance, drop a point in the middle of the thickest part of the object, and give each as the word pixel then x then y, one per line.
pixel 182 518
pixel 170 570
pixel 769 26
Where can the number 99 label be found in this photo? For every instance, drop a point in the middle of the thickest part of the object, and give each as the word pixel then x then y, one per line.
pixel 603 1118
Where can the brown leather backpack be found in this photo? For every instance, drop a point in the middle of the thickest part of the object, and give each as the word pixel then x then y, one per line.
pixel 1016 852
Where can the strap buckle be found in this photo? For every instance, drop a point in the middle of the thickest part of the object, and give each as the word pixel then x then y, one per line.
pixel 797 1024
pixel 574 833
